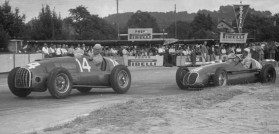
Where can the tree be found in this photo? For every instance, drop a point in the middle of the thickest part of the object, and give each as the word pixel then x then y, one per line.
pixel 89 26
pixel 142 20
pixel 183 30
pixel 11 24
pixel 4 38
pixel 202 26
pixel 47 26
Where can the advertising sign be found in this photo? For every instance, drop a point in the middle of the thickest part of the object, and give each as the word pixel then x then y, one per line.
pixel 240 12
pixel 139 34
pixel 233 37
pixel 145 61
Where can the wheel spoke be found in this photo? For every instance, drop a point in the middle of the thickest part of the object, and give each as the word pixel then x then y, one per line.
pixel 123 79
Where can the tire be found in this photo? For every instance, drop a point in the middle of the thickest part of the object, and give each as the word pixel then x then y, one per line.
pixel 20 92
pixel 268 74
pixel 59 83
pixel 220 77
pixel 180 73
pixel 120 79
pixel 84 89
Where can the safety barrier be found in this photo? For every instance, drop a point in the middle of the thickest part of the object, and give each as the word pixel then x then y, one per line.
pixel 10 61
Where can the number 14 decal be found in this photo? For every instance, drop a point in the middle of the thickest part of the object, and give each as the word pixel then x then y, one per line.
pixel 84 65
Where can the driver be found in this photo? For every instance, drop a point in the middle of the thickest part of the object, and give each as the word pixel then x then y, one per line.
pixel 247 60
pixel 96 57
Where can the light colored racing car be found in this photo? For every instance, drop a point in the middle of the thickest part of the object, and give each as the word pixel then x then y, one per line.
pixel 60 75
pixel 225 73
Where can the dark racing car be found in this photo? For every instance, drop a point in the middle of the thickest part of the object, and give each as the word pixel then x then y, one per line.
pixel 60 75
pixel 225 73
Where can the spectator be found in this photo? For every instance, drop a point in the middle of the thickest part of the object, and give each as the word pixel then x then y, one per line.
pixel 45 51
pixel 218 53
pixel 261 52
pixel 204 52
pixel 64 50
pixel 78 51
pixel 58 51
pixel 71 51
pixel 272 50
pixel 193 56
pixel 223 54
pixel 52 50
pixel 238 50
pixel 211 52
pixel 124 51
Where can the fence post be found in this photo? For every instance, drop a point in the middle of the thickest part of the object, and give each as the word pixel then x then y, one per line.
pixel 14 60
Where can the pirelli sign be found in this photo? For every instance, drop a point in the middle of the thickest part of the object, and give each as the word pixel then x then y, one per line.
pixel 233 37
pixel 139 34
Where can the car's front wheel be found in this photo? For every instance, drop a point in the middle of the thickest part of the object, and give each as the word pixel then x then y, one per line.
pixel 268 74
pixel 180 73
pixel 220 77
pixel 120 79
pixel 20 92
pixel 59 83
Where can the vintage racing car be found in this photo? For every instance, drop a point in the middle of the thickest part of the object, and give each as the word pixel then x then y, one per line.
pixel 225 73
pixel 60 75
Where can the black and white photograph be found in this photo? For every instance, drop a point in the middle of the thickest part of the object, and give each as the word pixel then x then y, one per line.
pixel 139 67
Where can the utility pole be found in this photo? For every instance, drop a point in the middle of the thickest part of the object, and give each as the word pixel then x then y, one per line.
pixel 117 20
pixel 175 25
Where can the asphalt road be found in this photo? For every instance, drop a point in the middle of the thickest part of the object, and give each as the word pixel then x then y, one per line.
pixel 40 110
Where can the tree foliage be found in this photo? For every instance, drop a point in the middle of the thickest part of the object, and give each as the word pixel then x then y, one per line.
pixel 183 30
pixel 142 20
pixel 89 26
pixel 11 24
pixel 262 28
pixel 47 26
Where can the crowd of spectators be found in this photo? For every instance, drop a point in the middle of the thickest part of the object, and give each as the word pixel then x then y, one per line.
pixel 208 52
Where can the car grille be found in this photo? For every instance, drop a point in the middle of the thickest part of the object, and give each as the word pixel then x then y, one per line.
pixel 23 78
pixel 192 78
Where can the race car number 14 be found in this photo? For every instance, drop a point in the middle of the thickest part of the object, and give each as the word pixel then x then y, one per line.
pixel 84 65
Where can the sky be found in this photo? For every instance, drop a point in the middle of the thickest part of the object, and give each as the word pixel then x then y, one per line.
pixel 103 8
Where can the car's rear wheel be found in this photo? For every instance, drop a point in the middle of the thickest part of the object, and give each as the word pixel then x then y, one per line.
pixel 180 73
pixel 20 92
pixel 59 83
pixel 220 77
pixel 84 89
pixel 268 74
pixel 120 79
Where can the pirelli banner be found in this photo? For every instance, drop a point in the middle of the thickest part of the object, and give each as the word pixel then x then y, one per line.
pixel 233 37
pixel 140 34
pixel 240 12
pixel 144 61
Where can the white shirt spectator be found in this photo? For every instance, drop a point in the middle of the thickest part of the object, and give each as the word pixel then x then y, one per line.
pixel 171 50
pixel 161 50
pixel 125 52
pixel 58 51
pixel 51 50
pixel 64 51
pixel 45 50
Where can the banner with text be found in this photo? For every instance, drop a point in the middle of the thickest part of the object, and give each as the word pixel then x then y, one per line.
pixel 143 61
pixel 140 34
pixel 240 12
pixel 233 37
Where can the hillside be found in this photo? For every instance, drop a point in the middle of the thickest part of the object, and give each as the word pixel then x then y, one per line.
pixel 164 19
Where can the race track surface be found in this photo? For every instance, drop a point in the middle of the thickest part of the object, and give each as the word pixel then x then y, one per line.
pixel 40 110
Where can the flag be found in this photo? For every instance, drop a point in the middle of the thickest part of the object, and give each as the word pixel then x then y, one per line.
pixel 240 12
